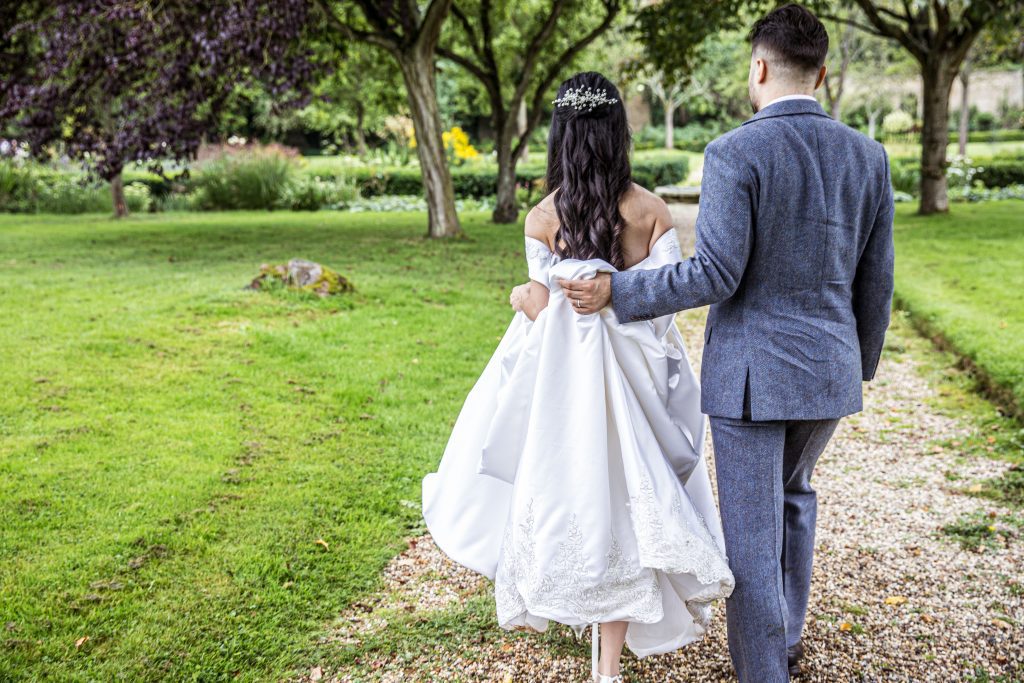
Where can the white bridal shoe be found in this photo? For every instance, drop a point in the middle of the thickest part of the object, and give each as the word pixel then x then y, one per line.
pixel 595 634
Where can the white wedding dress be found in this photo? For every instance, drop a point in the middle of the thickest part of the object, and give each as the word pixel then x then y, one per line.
pixel 562 477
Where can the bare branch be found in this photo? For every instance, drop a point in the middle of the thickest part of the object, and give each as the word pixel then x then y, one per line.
pixel 906 18
pixel 471 36
pixel 379 20
pixel 870 30
pixel 430 29
pixel 491 61
pixel 533 50
pixel 466 63
pixel 888 29
pixel 352 33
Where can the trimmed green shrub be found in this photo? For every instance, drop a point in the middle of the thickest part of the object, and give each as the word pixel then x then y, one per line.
pixel 654 172
pixel 906 175
pixel 306 193
pixel 897 122
pixel 1000 172
pixel 159 188
pixel 137 196
pixel 992 173
pixel 19 186
pixel 33 188
pixel 69 195
pixel 250 178
pixel 179 201
pixel 1009 135
pixel 693 137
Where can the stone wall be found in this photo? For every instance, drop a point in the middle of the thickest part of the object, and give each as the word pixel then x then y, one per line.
pixel 988 90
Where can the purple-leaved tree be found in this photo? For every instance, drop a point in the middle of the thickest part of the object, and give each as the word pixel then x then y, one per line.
pixel 113 83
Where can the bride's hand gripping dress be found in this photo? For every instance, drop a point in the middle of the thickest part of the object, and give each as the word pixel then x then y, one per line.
pixel 574 476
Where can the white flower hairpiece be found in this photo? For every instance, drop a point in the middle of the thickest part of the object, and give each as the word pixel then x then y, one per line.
pixel 584 98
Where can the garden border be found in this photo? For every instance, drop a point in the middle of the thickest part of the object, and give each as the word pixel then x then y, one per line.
pixel 1002 396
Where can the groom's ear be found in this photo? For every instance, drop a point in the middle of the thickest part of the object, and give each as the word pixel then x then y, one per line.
pixel 821 76
pixel 760 70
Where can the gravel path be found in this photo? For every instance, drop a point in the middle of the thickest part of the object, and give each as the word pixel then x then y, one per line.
pixel 894 598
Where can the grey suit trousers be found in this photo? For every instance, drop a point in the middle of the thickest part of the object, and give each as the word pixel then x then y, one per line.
pixel 769 512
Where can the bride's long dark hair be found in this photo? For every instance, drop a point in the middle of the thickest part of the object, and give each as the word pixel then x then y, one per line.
pixel 588 169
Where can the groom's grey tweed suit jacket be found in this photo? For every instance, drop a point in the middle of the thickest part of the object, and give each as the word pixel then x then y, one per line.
pixel 794 253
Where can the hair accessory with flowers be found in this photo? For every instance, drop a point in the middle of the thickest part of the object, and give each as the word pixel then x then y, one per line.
pixel 584 98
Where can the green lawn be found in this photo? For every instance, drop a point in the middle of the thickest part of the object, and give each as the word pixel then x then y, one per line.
pixel 975 150
pixel 172 447
pixel 961 276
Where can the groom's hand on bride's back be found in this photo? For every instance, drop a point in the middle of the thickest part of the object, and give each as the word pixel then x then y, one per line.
pixel 588 296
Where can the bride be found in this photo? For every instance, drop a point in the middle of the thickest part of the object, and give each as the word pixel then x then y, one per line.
pixel 574 476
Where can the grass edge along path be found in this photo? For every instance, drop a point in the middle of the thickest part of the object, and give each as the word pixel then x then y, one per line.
pixel 959 277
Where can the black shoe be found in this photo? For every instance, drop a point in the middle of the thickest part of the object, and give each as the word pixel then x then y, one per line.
pixel 796 653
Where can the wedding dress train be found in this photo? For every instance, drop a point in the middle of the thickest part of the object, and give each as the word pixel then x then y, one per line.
pixel 574 476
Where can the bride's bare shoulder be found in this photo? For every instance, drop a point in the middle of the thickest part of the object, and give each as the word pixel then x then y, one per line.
pixel 645 212
pixel 542 221
pixel 641 205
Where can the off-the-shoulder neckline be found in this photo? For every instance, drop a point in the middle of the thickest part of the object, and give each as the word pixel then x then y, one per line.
pixel 665 234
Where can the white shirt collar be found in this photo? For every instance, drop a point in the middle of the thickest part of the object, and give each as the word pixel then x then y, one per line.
pixel 788 97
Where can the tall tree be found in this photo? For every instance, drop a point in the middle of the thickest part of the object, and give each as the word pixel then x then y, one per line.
pixel 410 35
pixel 356 98
pixel 939 34
pixel 673 31
pixel 140 80
pixel 671 96
pixel 517 50
pixel 845 47
pixel 717 87
pixel 966 69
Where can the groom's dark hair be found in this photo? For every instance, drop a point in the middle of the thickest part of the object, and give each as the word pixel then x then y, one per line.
pixel 793 34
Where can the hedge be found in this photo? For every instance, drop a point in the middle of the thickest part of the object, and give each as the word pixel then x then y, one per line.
pixel 906 173
pixel 1001 173
pixel 18 186
pixel 476 182
pixel 1012 135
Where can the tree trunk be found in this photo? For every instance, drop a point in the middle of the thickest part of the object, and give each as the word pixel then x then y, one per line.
pixel 834 94
pixel 938 78
pixel 522 126
pixel 418 73
pixel 873 124
pixel 965 112
pixel 507 128
pixel 506 209
pixel 117 194
pixel 670 131
pixel 359 132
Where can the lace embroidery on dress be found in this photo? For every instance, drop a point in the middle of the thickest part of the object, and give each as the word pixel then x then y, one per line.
pixel 520 587
pixel 666 250
pixel 670 544
pixel 539 259
pixel 535 249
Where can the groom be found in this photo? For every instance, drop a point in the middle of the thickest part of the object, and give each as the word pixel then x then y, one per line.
pixel 794 254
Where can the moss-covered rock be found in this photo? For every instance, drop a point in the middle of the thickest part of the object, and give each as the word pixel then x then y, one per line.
pixel 302 275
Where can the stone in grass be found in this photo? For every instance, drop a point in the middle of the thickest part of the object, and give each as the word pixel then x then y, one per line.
pixel 300 274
